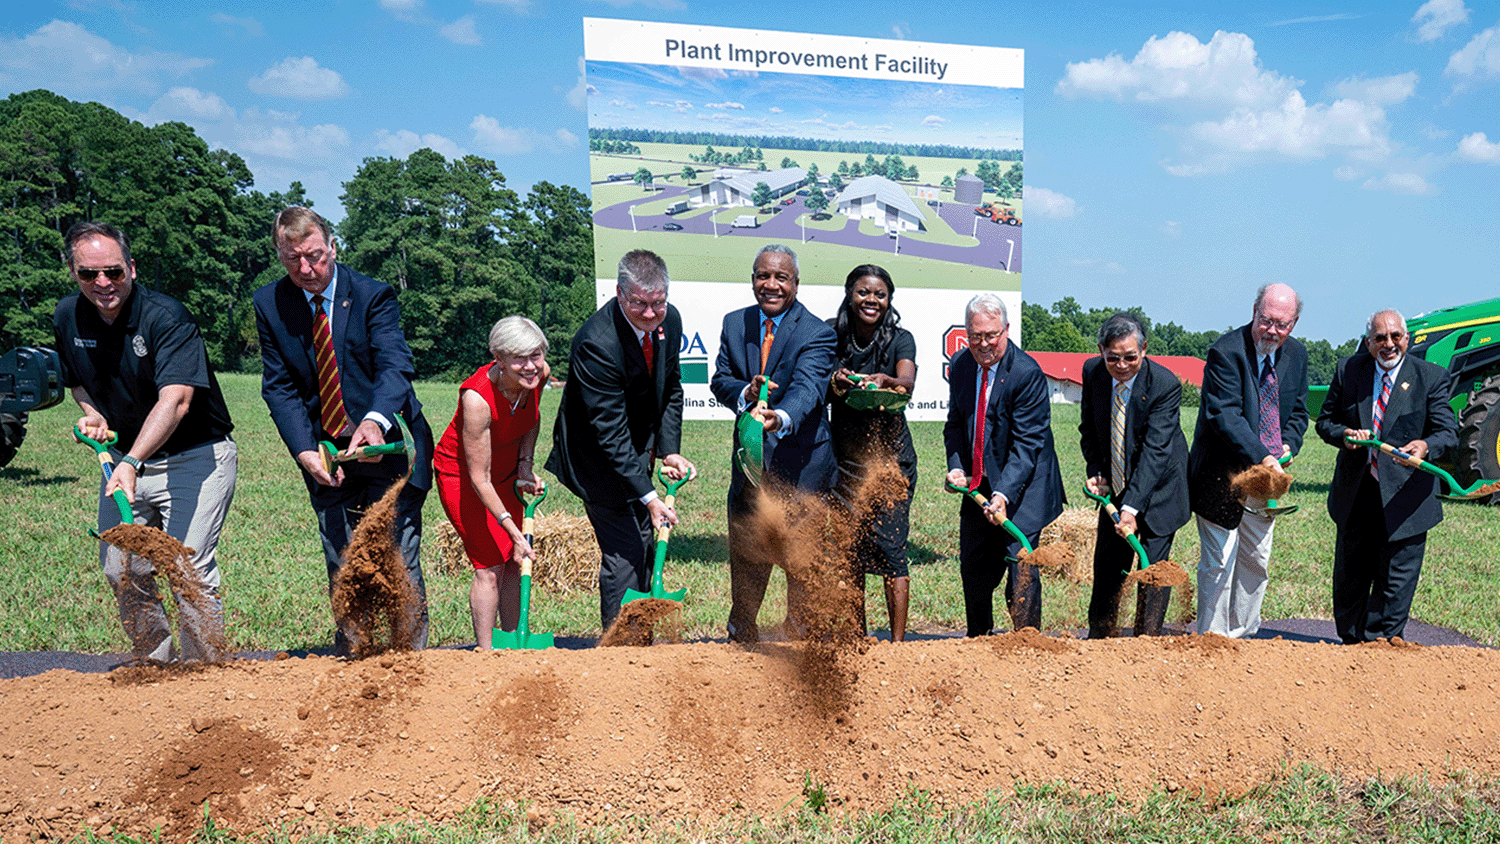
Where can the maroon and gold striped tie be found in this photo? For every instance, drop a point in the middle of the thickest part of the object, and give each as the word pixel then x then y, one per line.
pixel 334 418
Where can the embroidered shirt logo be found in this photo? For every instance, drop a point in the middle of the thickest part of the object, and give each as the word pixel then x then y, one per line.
pixel 138 345
pixel 85 343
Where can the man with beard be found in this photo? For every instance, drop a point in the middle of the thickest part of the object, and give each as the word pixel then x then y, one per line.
pixel 1253 411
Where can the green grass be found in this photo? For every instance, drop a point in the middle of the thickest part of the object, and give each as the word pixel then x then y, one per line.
pixel 1304 805
pixel 52 595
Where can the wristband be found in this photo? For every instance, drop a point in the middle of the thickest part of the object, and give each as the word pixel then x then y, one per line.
pixel 132 462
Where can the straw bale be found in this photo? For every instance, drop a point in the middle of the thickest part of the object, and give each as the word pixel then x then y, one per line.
pixel 567 556
pixel 1075 527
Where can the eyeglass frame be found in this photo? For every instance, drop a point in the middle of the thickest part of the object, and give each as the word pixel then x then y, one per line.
pixel 113 273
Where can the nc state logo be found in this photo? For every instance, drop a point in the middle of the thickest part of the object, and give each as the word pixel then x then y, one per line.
pixel 955 339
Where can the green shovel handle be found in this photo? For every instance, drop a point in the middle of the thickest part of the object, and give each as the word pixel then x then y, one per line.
pixel 107 466
pixel 1008 525
pixel 1114 513
pixel 671 485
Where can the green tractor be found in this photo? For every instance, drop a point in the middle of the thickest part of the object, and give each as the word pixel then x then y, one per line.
pixel 1466 341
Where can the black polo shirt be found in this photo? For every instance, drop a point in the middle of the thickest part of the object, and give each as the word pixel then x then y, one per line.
pixel 154 343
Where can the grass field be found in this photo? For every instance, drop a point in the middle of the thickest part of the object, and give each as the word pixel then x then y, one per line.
pixel 52 595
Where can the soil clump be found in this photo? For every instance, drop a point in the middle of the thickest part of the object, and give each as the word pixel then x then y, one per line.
pixel 1261 482
pixel 173 560
pixel 637 623
pixel 374 601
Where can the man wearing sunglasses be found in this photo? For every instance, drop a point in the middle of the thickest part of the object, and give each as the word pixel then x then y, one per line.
pixel 1253 411
pixel 1134 453
pixel 137 367
pixel 1383 508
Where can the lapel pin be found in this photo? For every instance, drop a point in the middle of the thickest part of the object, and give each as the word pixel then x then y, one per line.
pixel 1405 384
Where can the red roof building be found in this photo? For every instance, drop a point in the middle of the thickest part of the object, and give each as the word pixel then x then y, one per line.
pixel 1064 371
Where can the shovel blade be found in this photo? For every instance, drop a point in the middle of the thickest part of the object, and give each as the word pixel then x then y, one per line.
pixel 633 595
pixel 521 640
pixel 751 465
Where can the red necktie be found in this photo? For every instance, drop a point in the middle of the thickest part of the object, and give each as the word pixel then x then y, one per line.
pixel 765 344
pixel 648 349
pixel 1379 417
pixel 331 413
pixel 976 473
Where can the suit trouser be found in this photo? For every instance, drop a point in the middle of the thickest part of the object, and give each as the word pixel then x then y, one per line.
pixel 986 556
pixel 624 537
pixel 1374 579
pixel 186 496
pixel 1232 574
pixel 1113 559
pixel 339 509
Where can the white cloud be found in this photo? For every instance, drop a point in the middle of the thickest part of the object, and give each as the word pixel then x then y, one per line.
pixel 932 121
pixel 401 5
pixel 462 31
pixel 495 139
pixel 1236 111
pixel 665 5
pixel 775 109
pixel 189 105
pixel 679 106
pixel 1171 229
pixel 1480 58
pixel 1342 16
pixel 1381 91
pixel 273 134
pixel 404 142
pixel 1345 173
pixel 66 58
pixel 513 5
pixel 1405 183
pixel 301 79
pixel 1050 205
pixel 1436 17
pixel 1478 147
pixel 901 29
pixel 1178 68
pixel 251 26
pixel 725 105
pixel 702 74
pixel 578 95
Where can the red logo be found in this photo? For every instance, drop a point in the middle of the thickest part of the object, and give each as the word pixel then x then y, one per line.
pixel 955 339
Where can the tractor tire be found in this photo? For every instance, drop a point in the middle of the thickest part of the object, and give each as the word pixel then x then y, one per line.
pixel 12 432
pixel 1478 454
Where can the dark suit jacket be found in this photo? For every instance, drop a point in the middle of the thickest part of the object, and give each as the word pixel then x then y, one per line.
pixel 615 413
pixel 1155 448
pixel 1020 459
pixel 1417 410
pixel 1227 439
pixel 800 363
pixel 375 365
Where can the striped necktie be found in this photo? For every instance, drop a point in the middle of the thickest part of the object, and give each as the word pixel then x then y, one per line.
pixel 1270 410
pixel 1117 440
pixel 1378 417
pixel 331 413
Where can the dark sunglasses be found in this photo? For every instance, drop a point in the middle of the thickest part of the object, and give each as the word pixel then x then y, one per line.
pixel 111 273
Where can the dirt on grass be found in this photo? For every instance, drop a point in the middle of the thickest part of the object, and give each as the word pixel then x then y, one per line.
pixel 700 731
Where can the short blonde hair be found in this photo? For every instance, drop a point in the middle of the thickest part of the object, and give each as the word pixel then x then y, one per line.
pixel 516 335
pixel 297 222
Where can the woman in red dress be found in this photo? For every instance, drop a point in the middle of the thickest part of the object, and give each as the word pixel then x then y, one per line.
pixel 485 453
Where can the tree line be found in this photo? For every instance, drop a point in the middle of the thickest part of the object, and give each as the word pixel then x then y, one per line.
pixel 725 139
pixel 461 248
pixel 1067 327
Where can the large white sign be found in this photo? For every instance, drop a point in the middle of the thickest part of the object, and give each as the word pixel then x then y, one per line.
pixel 706 143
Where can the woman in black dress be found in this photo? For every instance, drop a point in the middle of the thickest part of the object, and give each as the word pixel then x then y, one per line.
pixel 873 345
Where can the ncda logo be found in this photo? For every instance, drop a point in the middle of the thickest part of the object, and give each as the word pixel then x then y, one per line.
pixel 955 339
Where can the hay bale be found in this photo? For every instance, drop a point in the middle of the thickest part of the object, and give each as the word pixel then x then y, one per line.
pixel 1075 527
pixel 567 555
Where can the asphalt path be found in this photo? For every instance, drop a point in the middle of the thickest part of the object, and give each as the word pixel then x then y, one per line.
pixel 28 663
pixel 994 248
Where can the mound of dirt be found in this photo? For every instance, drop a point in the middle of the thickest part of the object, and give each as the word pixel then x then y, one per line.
pixel 1261 482
pixel 677 733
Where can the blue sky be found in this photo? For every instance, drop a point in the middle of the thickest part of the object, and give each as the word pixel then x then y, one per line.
pixel 1177 154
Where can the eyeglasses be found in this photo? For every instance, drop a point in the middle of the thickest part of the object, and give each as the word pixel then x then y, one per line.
pixel 1131 358
pixel 976 338
pixel 1394 337
pixel 314 258
pixel 1276 324
pixel 114 273
pixel 642 304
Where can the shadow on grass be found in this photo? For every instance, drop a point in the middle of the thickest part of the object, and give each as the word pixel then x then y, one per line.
pixel 30 477
pixel 699 546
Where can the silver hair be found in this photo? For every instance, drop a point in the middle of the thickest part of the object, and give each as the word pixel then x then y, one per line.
pixel 1370 323
pixel 1260 296
pixel 779 249
pixel 642 271
pixel 516 335
pixel 988 304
